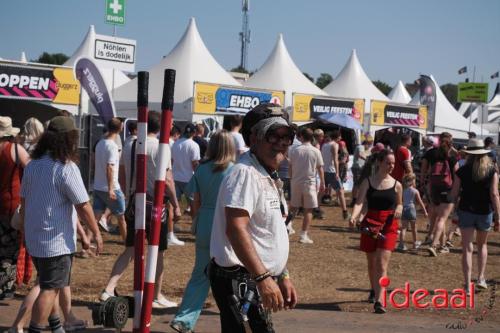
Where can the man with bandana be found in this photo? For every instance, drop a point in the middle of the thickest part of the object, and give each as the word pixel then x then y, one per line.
pixel 249 242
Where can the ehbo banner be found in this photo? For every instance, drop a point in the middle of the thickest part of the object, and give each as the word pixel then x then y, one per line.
pixel 91 80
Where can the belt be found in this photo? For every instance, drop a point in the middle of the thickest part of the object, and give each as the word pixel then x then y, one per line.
pixel 234 272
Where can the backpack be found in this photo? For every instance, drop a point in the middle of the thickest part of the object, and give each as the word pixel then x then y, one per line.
pixel 441 174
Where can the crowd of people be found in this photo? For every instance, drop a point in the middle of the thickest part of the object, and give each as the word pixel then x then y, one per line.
pixel 242 189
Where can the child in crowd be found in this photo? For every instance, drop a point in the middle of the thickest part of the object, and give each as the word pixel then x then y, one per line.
pixel 409 216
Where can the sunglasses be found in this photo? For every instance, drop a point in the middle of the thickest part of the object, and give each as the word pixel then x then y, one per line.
pixel 272 137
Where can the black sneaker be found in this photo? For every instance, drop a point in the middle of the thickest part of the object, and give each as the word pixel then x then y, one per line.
pixel 371 297
pixel 379 308
pixel 345 214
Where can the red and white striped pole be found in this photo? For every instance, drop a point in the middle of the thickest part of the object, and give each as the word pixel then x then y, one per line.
pixel 167 105
pixel 140 194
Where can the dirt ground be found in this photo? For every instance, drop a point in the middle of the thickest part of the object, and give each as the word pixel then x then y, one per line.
pixel 329 275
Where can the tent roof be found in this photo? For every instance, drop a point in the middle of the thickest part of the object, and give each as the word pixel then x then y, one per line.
pixel 447 118
pixel 352 82
pixel 280 72
pixel 192 61
pixel 399 94
pixel 86 49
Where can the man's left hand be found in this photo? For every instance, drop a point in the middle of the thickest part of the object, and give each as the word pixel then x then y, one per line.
pixel 289 293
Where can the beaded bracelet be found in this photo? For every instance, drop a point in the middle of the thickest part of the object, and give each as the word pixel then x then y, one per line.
pixel 262 276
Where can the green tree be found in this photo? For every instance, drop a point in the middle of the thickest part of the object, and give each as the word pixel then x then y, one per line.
pixel 309 77
pixel 323 80
pixel 52 58
pixel 450 90
pixel 383 87
pixel 239 69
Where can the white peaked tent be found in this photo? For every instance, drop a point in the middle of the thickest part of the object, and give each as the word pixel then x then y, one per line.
pixel 399 94
pixel 192 61
pixel 86 49
pixel 23 57
pixel 352 82
pixel 279 72
pixel 447 118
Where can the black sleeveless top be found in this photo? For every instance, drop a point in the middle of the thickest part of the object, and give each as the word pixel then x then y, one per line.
pixel 381 199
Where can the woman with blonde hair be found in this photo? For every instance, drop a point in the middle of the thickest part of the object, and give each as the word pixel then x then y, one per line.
pixel 204 186
pixel 32 131
pixel 476 183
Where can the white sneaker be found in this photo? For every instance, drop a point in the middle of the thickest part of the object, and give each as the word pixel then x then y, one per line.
pixel 291 231
pixel 163 303
pixel 481 284
pixel 417 245
pixel 105 296
pixel 305 240
pixel 172 240
pixel 103 223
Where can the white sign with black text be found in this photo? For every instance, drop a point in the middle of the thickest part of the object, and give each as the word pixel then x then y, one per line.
pixel 115 52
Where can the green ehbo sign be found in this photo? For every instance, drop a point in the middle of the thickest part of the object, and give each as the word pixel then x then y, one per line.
pixel 473 92
pixel 115 12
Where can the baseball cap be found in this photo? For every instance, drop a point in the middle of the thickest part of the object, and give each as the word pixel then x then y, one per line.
pixel 261 112
pixel 61 124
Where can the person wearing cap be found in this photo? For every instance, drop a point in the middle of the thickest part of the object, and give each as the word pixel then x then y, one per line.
pixel 13 158
pixel 249 242
pixel 185 160
pixel 52 185
pixel 476 184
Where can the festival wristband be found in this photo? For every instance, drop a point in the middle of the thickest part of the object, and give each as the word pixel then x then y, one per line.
pixel 262 277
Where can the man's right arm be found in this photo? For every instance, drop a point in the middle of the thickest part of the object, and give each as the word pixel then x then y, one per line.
pixel 237 233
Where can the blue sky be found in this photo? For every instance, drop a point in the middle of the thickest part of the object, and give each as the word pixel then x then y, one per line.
pixel 395 40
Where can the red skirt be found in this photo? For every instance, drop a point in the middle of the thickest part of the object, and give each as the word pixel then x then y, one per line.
pixel 389 230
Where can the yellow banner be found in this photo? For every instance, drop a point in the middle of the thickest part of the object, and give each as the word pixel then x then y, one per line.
pixel 301 110
pixel 68 85
pixel 204 98
pixel 387 114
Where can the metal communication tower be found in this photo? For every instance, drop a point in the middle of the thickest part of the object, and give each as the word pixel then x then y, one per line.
pixel 245 34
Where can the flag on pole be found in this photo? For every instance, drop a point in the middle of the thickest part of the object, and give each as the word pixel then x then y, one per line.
pixel 462 70
pixel 495 75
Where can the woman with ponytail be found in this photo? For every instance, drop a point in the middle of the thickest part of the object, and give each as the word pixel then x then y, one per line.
pixel 476 183
pixel 379 228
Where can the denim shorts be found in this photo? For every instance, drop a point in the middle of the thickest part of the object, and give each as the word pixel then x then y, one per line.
pixel 180 189
pixel 477 221
pixel 409 213
pixel 102 201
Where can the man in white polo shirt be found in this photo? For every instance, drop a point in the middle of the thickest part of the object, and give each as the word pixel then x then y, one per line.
pixel 249 242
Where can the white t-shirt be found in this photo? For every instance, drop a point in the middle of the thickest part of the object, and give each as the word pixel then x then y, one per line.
pixel 326 153
pixel 249 187
pixel 184 151
pixel 106 152
pixel 152 145
pixel 239 142
pixel 304 161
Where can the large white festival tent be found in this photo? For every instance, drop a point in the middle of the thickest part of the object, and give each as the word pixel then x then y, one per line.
pixel 279 72
pixel 447 118
pixel 192 61
pixel 399 94
pixel 352 82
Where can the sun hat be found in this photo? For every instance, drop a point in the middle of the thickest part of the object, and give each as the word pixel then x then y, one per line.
pixel 476 147
pixel 6 128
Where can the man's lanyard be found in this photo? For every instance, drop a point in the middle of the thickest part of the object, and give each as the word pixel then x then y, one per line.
pixel 278 183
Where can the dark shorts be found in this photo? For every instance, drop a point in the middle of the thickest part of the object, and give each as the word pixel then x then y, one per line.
pixel 180 189
pixel 331 180
pixel 439 196
pixel 54 272
pixel 130 240
pixel 356 174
